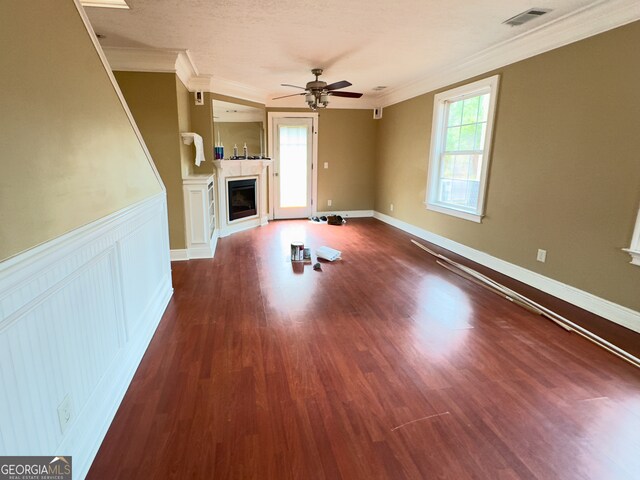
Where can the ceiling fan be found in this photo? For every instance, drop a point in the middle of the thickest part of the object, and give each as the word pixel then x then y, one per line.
pixel 317 92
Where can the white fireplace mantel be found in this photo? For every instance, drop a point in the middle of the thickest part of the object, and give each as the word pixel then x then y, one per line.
pixel 235 170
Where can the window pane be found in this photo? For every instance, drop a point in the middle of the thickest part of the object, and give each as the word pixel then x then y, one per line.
pixel 470 110
pixel 481 130
pixel 455 113
pixel 293 166
pixel 483 111
pixel 447 166
pixel 453 137
pixel 459 182
pixel 467 137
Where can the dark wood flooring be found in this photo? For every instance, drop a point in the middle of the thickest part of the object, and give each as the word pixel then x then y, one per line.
pixel 382 366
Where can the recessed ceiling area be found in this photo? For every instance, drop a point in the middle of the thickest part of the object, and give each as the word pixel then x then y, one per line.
pixel 262 44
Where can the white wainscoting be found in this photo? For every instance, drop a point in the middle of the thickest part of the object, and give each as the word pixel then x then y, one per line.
pixel 76 316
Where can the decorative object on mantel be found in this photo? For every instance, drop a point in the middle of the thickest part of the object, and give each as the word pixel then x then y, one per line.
pixel 190 137
pixel 218 150
pixel 317 92
pixel 250 157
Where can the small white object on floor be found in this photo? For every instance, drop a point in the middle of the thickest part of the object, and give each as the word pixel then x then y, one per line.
pixel 328 253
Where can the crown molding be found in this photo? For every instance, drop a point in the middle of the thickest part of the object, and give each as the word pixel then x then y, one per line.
pixel 199 83
pixel 593 19
pixel 185 68
pixel 235 89
pixel 179 62
pixel 156 60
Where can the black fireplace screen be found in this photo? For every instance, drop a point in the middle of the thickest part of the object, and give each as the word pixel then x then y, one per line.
pixel 242 198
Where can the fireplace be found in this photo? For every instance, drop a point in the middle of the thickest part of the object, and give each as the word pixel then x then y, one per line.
pixel 242 198
pixel 228 172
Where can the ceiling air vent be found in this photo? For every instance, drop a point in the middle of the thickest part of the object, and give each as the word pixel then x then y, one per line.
pixel 526 16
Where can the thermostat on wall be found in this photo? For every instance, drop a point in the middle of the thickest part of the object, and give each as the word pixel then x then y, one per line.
pixel 199 98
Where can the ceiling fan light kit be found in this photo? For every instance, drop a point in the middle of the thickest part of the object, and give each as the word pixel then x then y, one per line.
pixel 316 93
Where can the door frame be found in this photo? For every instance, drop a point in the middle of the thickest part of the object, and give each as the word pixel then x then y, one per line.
pixel 314 156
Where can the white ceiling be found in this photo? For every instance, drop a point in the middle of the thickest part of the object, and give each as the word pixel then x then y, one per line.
pixel 263 43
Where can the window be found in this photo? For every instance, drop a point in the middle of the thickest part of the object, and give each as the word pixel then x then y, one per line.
pixel 460 148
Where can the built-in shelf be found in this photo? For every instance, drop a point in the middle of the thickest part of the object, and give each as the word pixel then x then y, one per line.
pixel 200 215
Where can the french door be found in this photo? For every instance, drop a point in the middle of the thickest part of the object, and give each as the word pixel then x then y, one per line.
pixel 293 152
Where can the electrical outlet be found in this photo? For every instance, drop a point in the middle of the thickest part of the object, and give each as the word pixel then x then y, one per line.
pixel 391 207
pixel 328 203
pixel 65 414
pixel 326 164
pixel 542 256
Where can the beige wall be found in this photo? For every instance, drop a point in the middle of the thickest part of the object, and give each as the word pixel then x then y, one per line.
pixel 565 173
pixel 346 141
pixel 187 152
pixel 202 124
pixel 152 98
pixel 69 154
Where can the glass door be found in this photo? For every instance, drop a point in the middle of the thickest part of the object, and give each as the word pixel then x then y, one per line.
pixel 293 159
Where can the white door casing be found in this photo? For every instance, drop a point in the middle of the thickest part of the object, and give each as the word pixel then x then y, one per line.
pixel 275 121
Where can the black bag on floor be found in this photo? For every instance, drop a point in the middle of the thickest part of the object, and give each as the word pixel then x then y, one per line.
pixel 335 220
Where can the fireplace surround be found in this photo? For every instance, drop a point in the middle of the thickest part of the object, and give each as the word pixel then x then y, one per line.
pixel 242 174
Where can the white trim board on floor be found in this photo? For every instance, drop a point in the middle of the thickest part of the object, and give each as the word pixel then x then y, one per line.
pixel 178 255
pixel 182 254
pixel 604 308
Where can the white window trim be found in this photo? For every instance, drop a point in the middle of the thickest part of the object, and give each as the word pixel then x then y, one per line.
pixel 437 133
pixel 634 249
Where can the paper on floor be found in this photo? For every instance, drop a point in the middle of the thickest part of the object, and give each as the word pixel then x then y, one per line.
pixel 328 253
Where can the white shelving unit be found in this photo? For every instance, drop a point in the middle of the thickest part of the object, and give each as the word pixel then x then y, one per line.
pixel 200 215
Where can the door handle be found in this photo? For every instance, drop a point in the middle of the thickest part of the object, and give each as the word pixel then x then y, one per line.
pixel 275 174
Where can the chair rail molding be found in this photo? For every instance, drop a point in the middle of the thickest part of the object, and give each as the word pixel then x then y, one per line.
pixel 76 316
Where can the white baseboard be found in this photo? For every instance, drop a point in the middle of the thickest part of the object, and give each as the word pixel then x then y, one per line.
pixel 242 224
pixel 347 213
pixel 76 316
pixel 611 311
pixel 199 251
pixel 179 254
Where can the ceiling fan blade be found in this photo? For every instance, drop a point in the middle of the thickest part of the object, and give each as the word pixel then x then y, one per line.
pixel 337 85
pixel 345 94
pixel 292 95
pixel 293 86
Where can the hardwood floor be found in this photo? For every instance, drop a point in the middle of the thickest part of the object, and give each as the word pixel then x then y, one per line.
pixel 382 366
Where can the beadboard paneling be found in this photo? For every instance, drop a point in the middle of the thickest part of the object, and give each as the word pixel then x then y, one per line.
pixel 76 315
